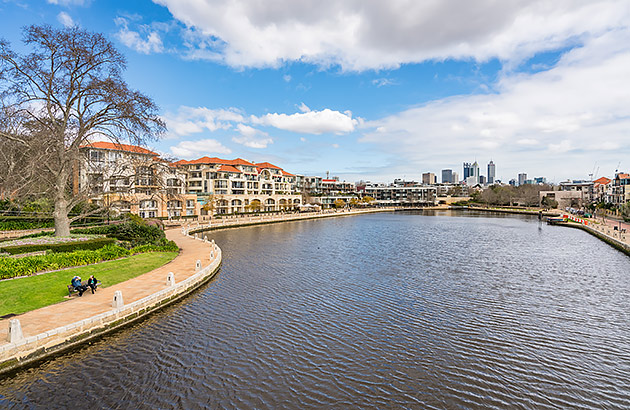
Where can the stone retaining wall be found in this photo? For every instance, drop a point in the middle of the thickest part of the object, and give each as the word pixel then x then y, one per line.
pixel 25 351
pixel 197 228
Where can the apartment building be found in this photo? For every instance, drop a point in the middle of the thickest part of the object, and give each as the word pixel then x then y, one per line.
pixel 129 178
pixel 401 194
pixel 238 185
pixel 621 189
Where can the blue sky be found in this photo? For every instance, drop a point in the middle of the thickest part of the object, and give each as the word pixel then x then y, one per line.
pixel 374 90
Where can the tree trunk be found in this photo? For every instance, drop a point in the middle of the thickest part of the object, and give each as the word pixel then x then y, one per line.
pixel 62 222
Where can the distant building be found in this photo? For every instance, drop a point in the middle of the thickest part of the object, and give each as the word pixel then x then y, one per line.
pixel 482 180
pixel 540 180
pixel 401 195
pixel 491 172
pixel 602 190
pixel 512 182
pixel 522 178
pixel 467 170
pixel 447 176
pixel 455 177
pixel 473 174
pixel 428 178
pixel 621 189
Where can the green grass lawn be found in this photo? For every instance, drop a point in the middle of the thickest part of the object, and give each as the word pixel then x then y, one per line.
pixel 25 294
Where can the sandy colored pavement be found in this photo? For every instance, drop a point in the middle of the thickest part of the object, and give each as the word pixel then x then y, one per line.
pixel 78 308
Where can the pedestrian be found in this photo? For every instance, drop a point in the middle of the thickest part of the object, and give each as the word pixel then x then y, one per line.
pixel 92 283
pixel 78 286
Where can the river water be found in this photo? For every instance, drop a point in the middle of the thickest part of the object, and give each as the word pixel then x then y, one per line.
pixel 434 310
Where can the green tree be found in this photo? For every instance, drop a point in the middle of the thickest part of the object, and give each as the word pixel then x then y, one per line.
pixel 339 203
pixel 254 206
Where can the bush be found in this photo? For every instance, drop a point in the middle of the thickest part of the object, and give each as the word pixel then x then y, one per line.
pixel 59 247
pixel 135 232
pixel 24 224
pixel 169 246
pixel 13 267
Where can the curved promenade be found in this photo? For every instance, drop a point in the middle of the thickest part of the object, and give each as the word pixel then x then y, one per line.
pixel 52 329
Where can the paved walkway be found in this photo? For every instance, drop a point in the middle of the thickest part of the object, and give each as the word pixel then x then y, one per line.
pixel 79 308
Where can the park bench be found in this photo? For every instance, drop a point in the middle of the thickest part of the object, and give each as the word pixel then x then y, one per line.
pixel 72 290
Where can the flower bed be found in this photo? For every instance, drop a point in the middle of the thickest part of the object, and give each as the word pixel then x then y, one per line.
pixel 29 265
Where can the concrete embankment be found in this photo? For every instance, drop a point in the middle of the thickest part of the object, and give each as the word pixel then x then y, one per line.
pixel 46 332
pixel 607 234
pixel 239 222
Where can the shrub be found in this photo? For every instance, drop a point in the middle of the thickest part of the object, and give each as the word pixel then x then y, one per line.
pixel 59 247
pixel 136 233
pixel 12 267
pixel 169 246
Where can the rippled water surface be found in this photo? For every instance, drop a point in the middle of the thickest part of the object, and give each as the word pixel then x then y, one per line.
pixel 382 310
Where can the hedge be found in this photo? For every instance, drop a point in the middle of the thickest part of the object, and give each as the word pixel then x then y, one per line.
pixel 91 244
pixel 170 246
pixel 28 265
pixel 17 225
pixel 13 267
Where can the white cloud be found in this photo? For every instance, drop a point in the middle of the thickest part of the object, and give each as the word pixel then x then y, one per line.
pixel 310 122
pixel 68 2
pixel 304 108
pixel 359 34
pixel 286 78
pixel 574 113
pixel 194 120
pixel 382 82
pixel 65 19
pixel 251 137
pixel 196 149
pixel 152 43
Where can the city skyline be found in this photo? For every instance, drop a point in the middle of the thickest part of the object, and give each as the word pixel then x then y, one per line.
pixel 338 88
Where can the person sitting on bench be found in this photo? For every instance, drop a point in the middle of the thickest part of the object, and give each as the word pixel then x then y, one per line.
pixel 76 282
pixel 92 283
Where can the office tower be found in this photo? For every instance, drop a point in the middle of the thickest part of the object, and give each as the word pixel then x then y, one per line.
pixel 428 178
pixel 475 172
pixel 522 178
pixel 447 176
pixel 467 170
pixel 491 172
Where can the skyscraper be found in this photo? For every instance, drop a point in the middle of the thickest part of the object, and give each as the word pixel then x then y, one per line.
pixel 428 178
pixel 491 172
pixel 447 176
pixel 475 172
pixel 522 178
pixel 467 169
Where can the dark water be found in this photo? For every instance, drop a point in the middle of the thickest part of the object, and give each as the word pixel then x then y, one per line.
pixel 374 311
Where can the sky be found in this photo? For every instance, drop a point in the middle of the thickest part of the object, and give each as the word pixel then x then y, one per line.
pixel 374 90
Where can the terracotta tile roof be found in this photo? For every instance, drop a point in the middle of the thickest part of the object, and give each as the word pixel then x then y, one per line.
pixel 119 147
pixel 240 161
pixel 623 176
pixel 329 180
pixel 228 168
pixel 602 181
pixel 286 174
pixel 263 165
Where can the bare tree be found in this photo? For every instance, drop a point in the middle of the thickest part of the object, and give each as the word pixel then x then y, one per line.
pixel 67 90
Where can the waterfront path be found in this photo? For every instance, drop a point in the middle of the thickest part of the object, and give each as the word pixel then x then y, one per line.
pixel 79 308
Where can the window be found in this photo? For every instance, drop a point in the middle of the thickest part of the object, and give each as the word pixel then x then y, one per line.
pixel 96 156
